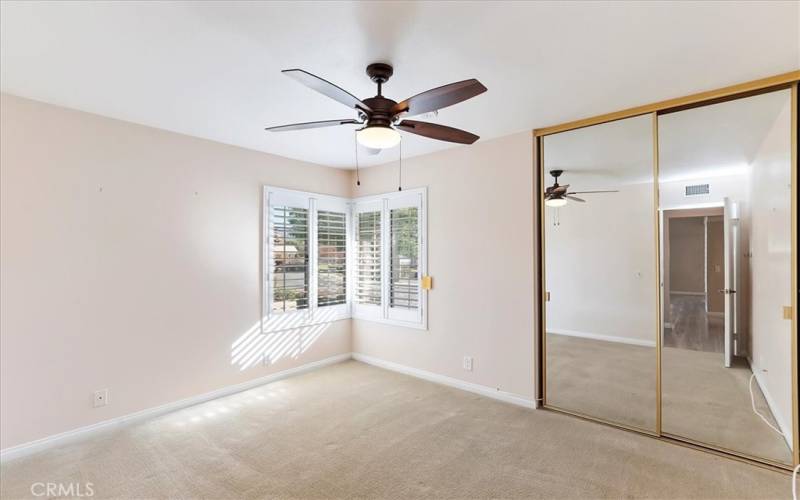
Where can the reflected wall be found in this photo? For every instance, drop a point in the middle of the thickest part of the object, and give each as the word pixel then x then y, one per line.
pixel 600 272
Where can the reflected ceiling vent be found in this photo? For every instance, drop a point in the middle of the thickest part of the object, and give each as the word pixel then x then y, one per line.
pixel 697 189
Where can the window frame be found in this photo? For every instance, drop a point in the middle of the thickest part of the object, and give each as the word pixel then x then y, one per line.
pixel 273 321
pixel 387 201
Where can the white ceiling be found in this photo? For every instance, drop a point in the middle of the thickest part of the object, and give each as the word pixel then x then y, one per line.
pixel 719 140
pixel 602 156
pixel 704 142
pixel 212 69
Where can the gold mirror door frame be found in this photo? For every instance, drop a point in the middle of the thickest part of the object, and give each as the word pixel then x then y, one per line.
pixel 600 273
pixel 784 81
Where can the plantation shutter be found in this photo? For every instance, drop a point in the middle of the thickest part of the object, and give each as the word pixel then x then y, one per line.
pixel 404 262
pixel 290 257
pixel 367 262
pixel 405 251
pixel 368 286
pixel 332 263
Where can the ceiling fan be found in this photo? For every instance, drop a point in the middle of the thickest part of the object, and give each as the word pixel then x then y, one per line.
pixel 557 195
pixel 382 117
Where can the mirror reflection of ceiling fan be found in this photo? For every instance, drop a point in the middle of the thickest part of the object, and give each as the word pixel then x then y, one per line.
pixel 557 195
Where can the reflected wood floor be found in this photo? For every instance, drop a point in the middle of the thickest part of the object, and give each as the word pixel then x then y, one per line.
pixel 692 327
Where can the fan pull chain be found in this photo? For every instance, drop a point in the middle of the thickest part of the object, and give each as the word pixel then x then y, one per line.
pixel 400 177
pixel 355 143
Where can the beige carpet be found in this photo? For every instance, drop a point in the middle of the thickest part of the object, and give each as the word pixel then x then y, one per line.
pixel 609 380
pixel 701 399
pixel 707 402
pixel 355 431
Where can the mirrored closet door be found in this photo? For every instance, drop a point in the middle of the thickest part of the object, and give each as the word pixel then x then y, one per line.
pixel 600 272
pixel 725 196
pixel 668 269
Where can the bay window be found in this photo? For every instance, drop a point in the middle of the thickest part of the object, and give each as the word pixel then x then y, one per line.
pixel 328 258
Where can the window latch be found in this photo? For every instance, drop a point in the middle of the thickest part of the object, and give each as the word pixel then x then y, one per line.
pixel 426 282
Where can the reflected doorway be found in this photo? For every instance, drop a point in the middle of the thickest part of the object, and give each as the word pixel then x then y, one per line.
pixel 724 198
pixel 693 278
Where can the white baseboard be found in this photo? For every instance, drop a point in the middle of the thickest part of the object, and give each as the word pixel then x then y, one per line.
pixel 783 425
pixel 483 390
pixel 600 336
pixel 65 437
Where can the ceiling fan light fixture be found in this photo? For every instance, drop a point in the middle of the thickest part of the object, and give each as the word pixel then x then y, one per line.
pixel 378 137
pixel 555 202
pixel 384 117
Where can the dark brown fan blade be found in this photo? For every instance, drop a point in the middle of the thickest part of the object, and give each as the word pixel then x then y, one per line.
pixel 574 198
pixel 435 131
pixel 559 187
pixel 439 98
pixel 326 88
pixel 593 192
pixel 301 126
pixel 555 192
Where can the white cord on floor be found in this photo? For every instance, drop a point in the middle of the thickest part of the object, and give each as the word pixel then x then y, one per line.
pixel 753 402
pixel 794 482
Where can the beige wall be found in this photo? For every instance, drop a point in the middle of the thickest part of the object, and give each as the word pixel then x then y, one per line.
pixel 480 254
pixel 130 261
pixel 602 283
pixel 687 255
pixel 770 266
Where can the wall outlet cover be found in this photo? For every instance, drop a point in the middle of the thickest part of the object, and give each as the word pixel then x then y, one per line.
pixel 468 363
pixel 100 398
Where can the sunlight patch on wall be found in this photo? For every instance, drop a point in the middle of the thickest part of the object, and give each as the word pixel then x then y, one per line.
pixel 281 336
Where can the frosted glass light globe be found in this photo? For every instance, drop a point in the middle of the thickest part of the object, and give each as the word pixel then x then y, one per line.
pixel 378 137
pixel 555 202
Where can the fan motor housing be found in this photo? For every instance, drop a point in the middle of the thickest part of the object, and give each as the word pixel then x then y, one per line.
pixel 381 111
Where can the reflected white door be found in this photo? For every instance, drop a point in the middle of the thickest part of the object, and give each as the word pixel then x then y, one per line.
pixel 731 229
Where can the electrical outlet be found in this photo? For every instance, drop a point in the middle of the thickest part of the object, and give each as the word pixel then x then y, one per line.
pixel 100 398
pixel 468 363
